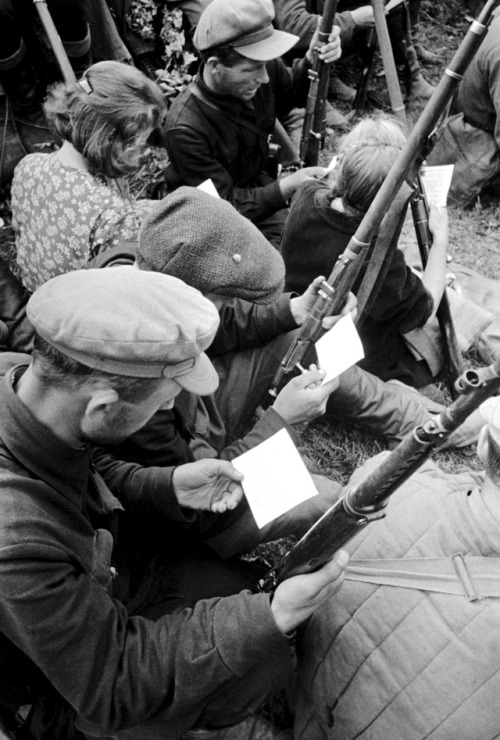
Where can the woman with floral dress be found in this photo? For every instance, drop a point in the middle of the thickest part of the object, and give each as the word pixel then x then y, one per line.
pixel 70 205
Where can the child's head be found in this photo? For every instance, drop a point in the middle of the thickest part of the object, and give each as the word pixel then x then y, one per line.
pixel 107 116
pixel 366 155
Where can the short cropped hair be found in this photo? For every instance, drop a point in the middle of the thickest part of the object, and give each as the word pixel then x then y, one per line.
pixel 55 369
pixel 108 117
pixel 366 155
pixel 227 55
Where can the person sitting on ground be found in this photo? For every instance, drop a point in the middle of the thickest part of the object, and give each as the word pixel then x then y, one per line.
pixel 104 629
pixel 219 127
pixel 409 649
pixel 323 218
pixel 301 17
pixel 470 139
pixel 196 237
pixel 70 205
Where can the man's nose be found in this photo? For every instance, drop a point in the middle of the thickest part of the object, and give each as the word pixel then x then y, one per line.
pixel 262 76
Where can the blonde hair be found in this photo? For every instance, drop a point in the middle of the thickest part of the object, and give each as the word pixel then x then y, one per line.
pixel 366 155
pixel 108 116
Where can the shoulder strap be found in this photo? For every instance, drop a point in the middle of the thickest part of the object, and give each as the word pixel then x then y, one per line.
pixel 475 577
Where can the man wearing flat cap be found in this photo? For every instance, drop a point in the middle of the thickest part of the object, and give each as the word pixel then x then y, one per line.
pixel 102 630
pixel 219 127
pixel 411 647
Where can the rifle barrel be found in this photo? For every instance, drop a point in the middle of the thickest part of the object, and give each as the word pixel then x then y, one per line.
pixel 366 501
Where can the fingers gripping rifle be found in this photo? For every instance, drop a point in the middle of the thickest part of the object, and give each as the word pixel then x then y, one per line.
pixel 313 130
pixel 333 292
pixel 366 501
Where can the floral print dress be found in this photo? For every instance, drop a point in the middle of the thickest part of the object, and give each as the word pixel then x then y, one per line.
pixel 63 217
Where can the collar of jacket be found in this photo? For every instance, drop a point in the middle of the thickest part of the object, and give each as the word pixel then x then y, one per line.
pixel 221 101
pixel 37 449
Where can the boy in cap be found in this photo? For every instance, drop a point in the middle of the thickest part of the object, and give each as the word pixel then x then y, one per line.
pixel 98 636
pixel 411 646
pixel 219 127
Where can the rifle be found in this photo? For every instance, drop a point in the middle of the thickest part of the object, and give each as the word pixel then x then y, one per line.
pixel 313 130
pixel 368 56
pixel 419 208
pixel 332 293
pixel 454 359
pixel 366 501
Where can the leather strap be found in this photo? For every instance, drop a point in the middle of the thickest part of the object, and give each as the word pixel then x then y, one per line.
pixel 475 577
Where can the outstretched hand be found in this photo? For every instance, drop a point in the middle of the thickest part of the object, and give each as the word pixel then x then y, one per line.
pixel 298 597
pixel 210 485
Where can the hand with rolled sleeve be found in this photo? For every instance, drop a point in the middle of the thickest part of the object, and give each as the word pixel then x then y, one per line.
pixel 209 485
pixel 298 597
pixel 363 17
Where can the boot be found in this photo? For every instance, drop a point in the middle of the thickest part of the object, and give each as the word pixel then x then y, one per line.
pixel 341 91
pixel 420 88
pixel 79 53
pixel 20 81
pixel 426 56
pixel 334 118
pixel 70 19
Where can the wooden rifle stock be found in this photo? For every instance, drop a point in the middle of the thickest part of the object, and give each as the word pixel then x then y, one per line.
pixel 313 130
pixel 366 501
pixel 333 292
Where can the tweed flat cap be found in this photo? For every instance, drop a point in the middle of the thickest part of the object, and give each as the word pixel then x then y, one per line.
pixel 245 25
pixel 205 242
pixel 126 322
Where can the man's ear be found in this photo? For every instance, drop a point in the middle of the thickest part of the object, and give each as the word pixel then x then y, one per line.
pixel 213 64
pixel 101 403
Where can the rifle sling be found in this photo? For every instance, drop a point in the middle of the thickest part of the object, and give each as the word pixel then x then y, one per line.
pixel 475 577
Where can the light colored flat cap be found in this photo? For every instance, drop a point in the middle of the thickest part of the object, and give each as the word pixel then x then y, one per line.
pixel 246 25
pixel 123 321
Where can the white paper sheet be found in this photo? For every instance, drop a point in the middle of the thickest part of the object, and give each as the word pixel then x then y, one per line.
pixel 437 181
pixel 333 163
pixel 276 478
pixel 391 5
pixel 208 187
pixel 339 348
